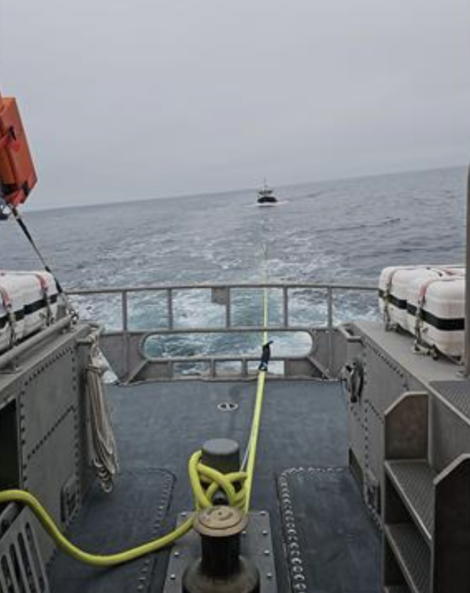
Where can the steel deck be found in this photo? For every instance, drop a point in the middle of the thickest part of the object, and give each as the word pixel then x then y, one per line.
pixel 159 425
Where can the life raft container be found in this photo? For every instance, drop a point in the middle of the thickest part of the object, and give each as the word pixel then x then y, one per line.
pixel 28 304
pixel 394 285
pixel 429 303
pixel 436 314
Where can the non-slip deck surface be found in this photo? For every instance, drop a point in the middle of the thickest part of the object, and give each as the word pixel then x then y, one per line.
pixel 160 425
pixel 131 515
pixel 332 545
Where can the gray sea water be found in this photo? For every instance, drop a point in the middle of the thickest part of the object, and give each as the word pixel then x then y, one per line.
pixel 335 231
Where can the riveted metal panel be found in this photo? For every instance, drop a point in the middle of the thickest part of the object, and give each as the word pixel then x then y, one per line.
pixel 385 379
pixel 357 436
pixel 450 435
pixel 50 467
pixel 48 392
pixel 374 447
pixel 51 420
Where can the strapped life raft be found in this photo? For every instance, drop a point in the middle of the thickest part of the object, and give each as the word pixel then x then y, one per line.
pixel 429 303
pixel 28 304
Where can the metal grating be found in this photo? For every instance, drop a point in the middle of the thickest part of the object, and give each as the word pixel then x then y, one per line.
pixel 21 566
pixel 412 554
pixel 457 393
pixel 414 482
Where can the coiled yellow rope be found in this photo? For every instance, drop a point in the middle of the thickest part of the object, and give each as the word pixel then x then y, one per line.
pixel 205 481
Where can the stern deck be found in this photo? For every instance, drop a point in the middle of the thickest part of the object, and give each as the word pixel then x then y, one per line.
pixel 159 425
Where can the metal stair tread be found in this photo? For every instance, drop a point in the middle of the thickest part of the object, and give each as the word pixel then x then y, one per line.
pixel 414 482
pixel 412 555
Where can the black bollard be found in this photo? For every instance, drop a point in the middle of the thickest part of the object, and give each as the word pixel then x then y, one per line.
pixel 221 569
pixel 224 456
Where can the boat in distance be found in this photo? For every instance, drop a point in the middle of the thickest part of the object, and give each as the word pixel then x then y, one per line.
pixel 266 196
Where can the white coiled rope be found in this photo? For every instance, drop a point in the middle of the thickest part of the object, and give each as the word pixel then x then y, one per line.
pixel 105 456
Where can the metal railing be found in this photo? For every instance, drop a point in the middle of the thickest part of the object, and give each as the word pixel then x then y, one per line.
pixel 221 294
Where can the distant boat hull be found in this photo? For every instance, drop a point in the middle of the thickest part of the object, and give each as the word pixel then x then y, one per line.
pixel 267 201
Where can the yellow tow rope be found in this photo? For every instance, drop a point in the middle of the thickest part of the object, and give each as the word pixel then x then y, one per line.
pixel 69 548
pixel 205 482
pixel 253 444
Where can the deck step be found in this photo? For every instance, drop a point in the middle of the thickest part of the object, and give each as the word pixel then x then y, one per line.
pixel 413 481
pixel 412 554
pixel 396 589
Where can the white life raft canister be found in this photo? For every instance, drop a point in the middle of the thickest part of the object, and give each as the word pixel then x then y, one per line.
pixel 28 304
pixel 394 287
pixel 436 313
pixel 428 302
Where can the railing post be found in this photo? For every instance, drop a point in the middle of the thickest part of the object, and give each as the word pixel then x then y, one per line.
pixel 228 308
pixel 169 297
pixel 285 306
pixel 125 331
pixel 330 329
pixel 125 311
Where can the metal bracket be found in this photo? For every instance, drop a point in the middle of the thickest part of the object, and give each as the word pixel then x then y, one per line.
pixel 220 295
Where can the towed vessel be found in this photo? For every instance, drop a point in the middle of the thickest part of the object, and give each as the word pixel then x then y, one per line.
pixel 266 196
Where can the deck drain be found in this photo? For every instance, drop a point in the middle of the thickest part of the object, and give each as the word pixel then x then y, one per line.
pixel 227 407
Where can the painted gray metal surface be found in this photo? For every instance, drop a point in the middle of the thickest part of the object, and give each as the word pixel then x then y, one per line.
pixel 415 481
pixel 425 438
pixel 256 544
pixel 412 555
pixel 47 388
pixel 136 511
pixel 159 425
pixel 391 368
pixel 331 542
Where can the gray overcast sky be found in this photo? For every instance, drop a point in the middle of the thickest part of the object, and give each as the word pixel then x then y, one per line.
pixel 147 98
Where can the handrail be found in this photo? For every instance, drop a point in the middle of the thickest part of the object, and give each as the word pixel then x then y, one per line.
pixel 220 285
pixel 222 294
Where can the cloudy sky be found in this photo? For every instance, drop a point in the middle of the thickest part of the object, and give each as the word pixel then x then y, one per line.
pixel 128 99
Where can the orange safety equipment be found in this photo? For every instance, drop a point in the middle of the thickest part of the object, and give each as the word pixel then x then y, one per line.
pixel 17 172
